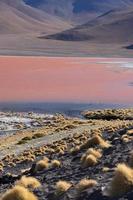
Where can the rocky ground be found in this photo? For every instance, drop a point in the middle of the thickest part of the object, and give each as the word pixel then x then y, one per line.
pixel 11 121
pixel 67 145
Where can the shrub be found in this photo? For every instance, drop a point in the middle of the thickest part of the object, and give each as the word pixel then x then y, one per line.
pixel 1 169
pixel 69 126
pixel 75 150
pixel 29 182
pixel 24 140
pixel 96 140
pixel 37 135
pixel 62 186
pixel 1 164
pixel 105 169
pixel 125 140
pixel 85 184
pixel 89 161
pixel 41 165
pixel 131 160
pixel 45 159
pixel 59 150
pixel 83 158
pixel 25 170
pixel 122 181
pixel 27 138
pixel 94 152
pixel 55 163
pixel 130 132
pixel 19 193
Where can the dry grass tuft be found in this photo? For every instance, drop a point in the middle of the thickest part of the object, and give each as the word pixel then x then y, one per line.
pixel 96 140
pixel 122 181
pixel 126 138
pixel 22 171
pixel 94 152
pixel 130 132
pixel 131 160
pixel 62 186
pixel 1 169
pixel 29 182
pixel 19 193
pixel 105 169
pixel 75 150
pixel 85 184
pixel 46 159
pixel 41 165
pixel 55 163
pixel 90 158
pixel 1 164
pixel 89 161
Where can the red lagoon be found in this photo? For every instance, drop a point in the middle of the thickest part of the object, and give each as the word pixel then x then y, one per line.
pixel 66 79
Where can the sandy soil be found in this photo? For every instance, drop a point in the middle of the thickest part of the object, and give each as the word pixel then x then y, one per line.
pixel 33 46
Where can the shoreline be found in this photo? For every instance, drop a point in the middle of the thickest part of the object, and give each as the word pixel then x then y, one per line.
pixel 65 57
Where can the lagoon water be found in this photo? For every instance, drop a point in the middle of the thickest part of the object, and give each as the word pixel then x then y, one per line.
pixel 84 80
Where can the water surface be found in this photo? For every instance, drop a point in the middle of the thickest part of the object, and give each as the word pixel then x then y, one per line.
pixel 44 79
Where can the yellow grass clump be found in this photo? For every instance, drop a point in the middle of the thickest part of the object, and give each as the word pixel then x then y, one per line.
pixel 29 182
pixel 89 161
pixel 122 181
pixel 46 159
pixel 19 193
pixel 75 150
pixel 96 140
pixel 62 186
pixel 1 168
pixel 105 169
pixel 94 152
pixel 1 164
pixel 85 184
pixel 130 132
pixel 131 160
pixel 41 165
pixel 55 163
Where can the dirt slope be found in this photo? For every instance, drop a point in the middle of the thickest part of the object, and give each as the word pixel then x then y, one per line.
pixel 20 18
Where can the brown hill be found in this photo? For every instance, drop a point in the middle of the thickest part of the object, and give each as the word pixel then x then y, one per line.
pixel 113 26
pixel 79 11
pixel 17 17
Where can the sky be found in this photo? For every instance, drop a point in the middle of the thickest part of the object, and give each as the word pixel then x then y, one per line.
pixel 66 79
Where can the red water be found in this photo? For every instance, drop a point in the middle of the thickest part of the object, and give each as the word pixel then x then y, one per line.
pixel 66 79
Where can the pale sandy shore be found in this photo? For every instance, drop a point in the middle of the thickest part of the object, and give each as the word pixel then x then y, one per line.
pixel 28 45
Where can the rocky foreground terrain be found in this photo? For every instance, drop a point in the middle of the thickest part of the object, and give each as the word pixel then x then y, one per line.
pixel 71 159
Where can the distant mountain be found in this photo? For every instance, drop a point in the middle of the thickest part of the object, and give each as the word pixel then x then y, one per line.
pixel 79 11
pixel 129 47
pixel 17 17
pixel 32 27
pixel 113 26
